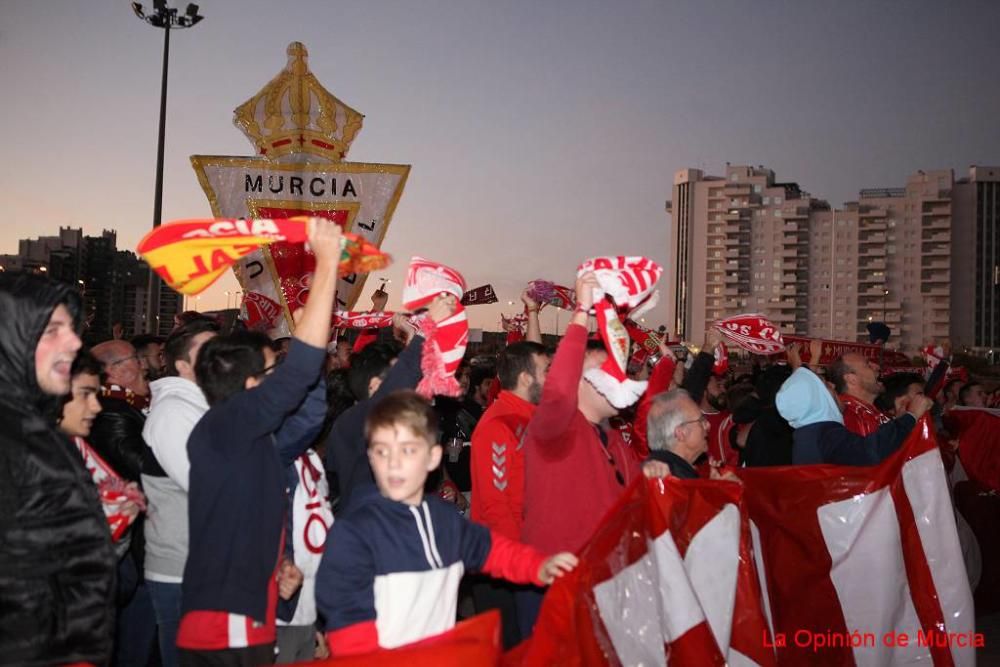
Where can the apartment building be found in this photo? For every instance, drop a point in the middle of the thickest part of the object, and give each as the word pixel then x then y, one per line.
pixel 112 282
pixel 746 242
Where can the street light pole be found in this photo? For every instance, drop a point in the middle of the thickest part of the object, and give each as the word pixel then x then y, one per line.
pixel 166 18
pixel 885 293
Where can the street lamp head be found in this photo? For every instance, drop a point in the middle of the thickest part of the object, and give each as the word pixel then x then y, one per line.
pixel 167 17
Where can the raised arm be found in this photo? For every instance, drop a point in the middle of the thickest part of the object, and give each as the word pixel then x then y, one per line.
pixel 531 309
pixel 324 239
pixel 559 397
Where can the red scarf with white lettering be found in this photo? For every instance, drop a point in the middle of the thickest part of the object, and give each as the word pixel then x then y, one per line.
pixel 190 255
pixel 753 332
pixel 446 340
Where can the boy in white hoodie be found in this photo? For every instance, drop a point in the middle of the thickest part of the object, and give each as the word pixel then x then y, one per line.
pixel 177 405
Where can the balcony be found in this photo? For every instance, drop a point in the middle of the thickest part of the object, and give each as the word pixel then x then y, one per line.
pixel 935 250
pixel 939 237
pixel 935 289
pixel 732 253
pixel 942 265
pixel 873 212
pixel 871 263
pixel 936 210
pixel 943 223
pixel 939 276
pixel 872 237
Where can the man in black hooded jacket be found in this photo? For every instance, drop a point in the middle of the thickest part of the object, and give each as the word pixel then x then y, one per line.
pixel 56 561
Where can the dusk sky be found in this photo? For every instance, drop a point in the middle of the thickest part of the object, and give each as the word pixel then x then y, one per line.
pixel 539 132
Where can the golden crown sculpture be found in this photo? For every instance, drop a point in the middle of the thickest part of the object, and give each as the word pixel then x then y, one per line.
pixel 295 115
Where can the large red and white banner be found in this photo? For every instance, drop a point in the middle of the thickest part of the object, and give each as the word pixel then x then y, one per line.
pixel 808 565
pixel 805 565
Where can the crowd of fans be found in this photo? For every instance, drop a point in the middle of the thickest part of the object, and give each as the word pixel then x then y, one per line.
pixel 222 498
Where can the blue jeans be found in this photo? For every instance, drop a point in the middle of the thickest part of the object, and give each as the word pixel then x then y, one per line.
pixel 135 635
pixel 167 606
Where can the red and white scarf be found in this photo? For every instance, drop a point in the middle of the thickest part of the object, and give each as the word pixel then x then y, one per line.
pixel 624 282
pixel 753 332
pixel 111 488
pixel 446 340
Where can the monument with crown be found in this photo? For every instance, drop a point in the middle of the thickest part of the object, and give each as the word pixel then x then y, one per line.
pixel 301 133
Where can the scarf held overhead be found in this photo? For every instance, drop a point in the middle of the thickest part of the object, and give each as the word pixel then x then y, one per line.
pixel 623 282
pixel 446 340
pixel 190 255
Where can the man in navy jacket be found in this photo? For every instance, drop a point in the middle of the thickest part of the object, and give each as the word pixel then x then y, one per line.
pixel 237 484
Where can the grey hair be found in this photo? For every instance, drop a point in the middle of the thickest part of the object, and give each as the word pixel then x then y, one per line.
pixel 664 418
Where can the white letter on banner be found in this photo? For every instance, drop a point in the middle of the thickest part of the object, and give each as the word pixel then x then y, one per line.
pixel 868 573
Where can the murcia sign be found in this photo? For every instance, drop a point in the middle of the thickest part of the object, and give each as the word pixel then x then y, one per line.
pixel 301 133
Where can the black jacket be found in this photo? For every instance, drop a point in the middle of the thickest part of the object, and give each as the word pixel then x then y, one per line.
pixel 831 442
pixel 117 437
pixel 769 442
pixel 679 467
pixel 56 561
pixel 346 448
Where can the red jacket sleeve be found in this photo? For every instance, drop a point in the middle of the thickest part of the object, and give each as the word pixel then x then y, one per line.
pixel 559 396
pixel 659 381
pixel 353 640
pixel 513 561
pixel 497 486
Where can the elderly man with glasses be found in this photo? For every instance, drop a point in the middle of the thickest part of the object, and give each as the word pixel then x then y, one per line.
pixel 677 432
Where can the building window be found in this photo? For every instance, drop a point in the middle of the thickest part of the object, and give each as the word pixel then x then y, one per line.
pixel 767 200
pixel 777 212
pixel 777 200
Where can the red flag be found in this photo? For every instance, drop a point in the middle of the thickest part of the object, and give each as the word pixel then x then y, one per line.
pixel 816 565
pixel 472 642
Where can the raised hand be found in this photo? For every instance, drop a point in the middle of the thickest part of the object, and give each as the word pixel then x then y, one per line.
pixel 324 240
pixel 442 307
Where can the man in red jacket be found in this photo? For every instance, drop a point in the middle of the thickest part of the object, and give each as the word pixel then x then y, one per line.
pixel 498 465
pixel 575 466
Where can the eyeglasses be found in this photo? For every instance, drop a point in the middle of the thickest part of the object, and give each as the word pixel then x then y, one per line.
pixel 703 420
